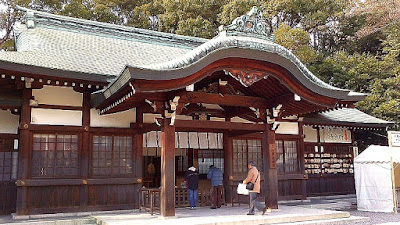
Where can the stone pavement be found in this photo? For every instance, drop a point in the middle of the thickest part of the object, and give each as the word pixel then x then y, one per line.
pixel 203 215
pixel 315 210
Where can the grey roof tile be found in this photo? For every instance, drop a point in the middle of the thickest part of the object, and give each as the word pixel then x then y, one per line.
pixel 345 116
pixel 70 44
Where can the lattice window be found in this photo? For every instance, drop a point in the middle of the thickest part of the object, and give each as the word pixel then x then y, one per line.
pixel 8 160
pixel 55 155
pixel 287 157
pixel 244 151
pixel 208 157
pixel 112 156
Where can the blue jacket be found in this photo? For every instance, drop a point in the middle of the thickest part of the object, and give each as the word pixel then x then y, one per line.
pixel 216 176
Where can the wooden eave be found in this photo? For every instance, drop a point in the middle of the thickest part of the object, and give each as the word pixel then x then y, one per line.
pixel 46 76
pixel 278 87
pixel 348 124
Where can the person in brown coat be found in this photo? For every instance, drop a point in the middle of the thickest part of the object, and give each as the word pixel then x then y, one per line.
pixel 253 176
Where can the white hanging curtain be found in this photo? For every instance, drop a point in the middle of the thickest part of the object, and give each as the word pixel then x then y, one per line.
pixel 185 140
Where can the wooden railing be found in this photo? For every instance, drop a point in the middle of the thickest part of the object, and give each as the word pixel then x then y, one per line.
pixel 149 198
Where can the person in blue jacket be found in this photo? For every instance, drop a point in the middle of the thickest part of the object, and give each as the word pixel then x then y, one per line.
pixel 216 177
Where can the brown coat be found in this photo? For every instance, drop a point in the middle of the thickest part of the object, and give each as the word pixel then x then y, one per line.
pixel 251 177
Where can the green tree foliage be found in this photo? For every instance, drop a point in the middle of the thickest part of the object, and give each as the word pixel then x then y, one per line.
pixel 296 40
pixel 8 17
pixel 188 16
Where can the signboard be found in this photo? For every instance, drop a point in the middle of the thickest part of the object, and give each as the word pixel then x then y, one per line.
pixel 335 135
pixel 394 138
pixel 272 156
pixel 394 141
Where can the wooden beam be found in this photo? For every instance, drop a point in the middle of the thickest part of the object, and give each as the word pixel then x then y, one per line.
pixel 167 201
pixel 141 128
pixel 62 107
pixel 226 100
pixel 197 125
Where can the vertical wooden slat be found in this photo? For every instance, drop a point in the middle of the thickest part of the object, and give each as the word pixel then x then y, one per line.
pixel 23 155
pixel 167 169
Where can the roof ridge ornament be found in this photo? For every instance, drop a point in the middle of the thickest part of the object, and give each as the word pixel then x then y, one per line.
pixel 252 24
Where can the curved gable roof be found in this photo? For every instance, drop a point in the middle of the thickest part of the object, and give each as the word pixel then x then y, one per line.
pixel 223 47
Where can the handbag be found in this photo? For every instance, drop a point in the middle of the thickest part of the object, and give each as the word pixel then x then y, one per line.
pixel 250 186
pixel 241 189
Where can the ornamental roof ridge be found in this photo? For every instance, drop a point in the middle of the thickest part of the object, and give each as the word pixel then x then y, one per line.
pixel 43 19
pixel 252 24
pixel 225 42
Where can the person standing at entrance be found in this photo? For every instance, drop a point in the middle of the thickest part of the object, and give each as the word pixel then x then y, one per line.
pixel 192 179
pixel 216 177
pixel 253 176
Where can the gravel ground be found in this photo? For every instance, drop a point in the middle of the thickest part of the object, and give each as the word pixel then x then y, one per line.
pixel 377 218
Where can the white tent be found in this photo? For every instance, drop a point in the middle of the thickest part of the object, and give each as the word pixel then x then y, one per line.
pixel 373 179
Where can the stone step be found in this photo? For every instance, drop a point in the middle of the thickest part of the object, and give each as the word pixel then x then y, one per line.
pixel 57 221
pixel 274 218
pixel 338 221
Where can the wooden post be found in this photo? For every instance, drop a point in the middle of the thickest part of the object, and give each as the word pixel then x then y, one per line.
pixel 167 204
pixel 23 154
pixel 138 155
pixel 302 161
pixel 228 160
pixel 268 146
pixel 86 144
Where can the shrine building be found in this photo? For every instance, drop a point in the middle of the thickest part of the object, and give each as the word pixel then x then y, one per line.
pixel 93 113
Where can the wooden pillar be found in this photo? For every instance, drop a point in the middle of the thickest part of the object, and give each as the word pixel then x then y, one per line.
pixel 86 144
pixel 138 155
pixel 167 204
pixel 228 161
pixel 23 153
pixel 268 146
pixel 302 160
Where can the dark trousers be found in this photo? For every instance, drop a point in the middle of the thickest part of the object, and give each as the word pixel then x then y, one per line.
pixel 254 203
pixel 217 196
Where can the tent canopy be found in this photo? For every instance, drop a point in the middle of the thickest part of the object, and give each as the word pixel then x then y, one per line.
pixel 377 153
pixel 373 180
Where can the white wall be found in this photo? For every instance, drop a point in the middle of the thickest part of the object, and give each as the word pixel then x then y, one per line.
pixel 51 95
pixel 288 128
pixel 60 96
pixel 8 122
pixel 121 119
pixel 150 118
pixel 311 134
pixel 56 117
